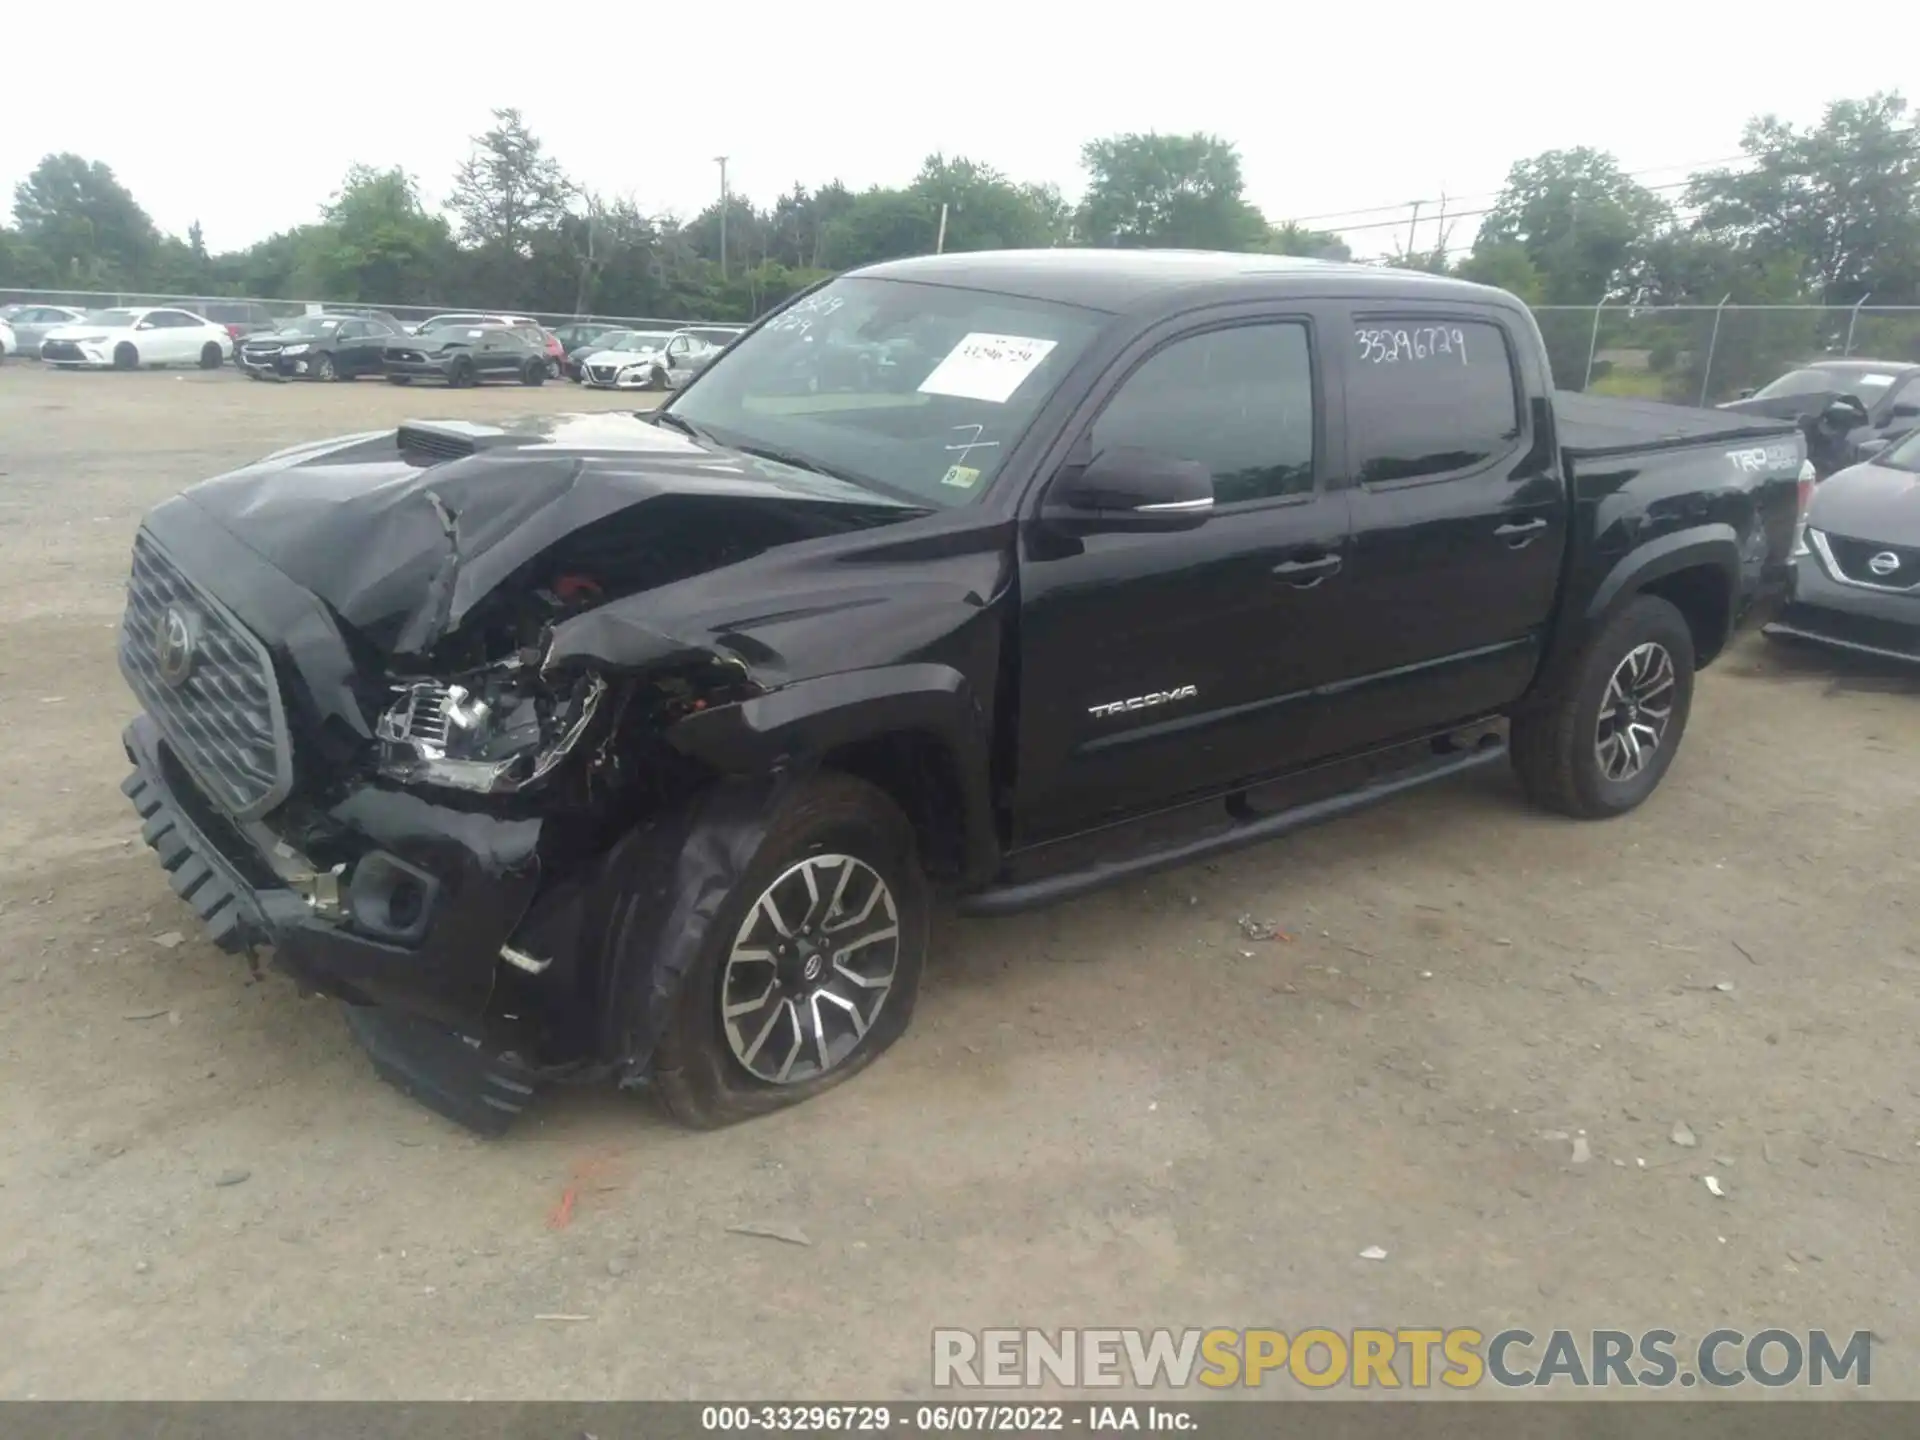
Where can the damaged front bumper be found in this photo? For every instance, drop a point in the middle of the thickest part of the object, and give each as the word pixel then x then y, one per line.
pixel 415 916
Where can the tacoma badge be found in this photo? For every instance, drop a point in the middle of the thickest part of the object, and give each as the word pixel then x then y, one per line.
pixel 1142 702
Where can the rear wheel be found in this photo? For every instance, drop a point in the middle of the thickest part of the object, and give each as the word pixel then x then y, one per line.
pixel 534 372
pixel 210 356
pixel 125 357
pixel 1602 744
pixel 812 966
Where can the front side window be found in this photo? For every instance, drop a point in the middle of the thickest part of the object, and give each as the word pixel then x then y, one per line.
pixel 1428 397
pixel 1239 401
pixel 902 387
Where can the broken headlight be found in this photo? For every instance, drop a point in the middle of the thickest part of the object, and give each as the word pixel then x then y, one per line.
pixel 497 731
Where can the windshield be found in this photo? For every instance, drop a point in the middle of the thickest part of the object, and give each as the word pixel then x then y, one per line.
pixel 117 319
pixel 1864 385
pixel 636 340
pixel 310 325
pixel 915 389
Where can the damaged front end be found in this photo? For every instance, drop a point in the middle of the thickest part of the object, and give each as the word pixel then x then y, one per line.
pixel 467 687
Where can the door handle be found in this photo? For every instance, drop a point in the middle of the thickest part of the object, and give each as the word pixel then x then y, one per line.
pixel 1520 533
pixel 1305 574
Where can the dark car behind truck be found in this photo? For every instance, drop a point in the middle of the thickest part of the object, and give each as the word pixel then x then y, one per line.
pixel 634 746
pixel 461 356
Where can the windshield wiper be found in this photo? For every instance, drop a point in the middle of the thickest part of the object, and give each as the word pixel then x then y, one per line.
pixel 685 427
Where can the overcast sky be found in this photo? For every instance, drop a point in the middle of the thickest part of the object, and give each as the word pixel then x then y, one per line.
pixel 245 116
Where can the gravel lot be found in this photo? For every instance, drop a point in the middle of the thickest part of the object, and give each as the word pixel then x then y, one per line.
pixel 1118 1112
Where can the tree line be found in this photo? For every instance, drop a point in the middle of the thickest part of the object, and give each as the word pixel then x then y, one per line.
pixel 1826 214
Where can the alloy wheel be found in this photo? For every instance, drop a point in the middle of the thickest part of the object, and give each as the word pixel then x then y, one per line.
pixel 810 968
pixel 1635 712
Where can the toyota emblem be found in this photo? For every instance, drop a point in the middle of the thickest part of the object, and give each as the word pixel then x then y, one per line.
pixel 1885 563
pixel 176 642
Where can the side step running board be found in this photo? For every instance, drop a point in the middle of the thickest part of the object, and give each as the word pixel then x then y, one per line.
pixel 1010 899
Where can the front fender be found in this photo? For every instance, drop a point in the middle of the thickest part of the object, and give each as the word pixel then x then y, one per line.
pixel 799 724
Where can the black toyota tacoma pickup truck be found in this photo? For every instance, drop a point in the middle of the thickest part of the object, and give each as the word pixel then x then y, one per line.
pixel 633 747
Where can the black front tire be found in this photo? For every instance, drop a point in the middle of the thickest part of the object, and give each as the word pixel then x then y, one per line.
pixel 399 379
pixel 701 1082
pixel 323 367
pixel 1556 743
pixel 534 372
pixel 460 375
pixel 125 357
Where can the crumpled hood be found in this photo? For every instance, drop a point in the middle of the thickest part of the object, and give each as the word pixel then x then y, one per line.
pixel 1869 502
pixel 401 549
pixel 1783 407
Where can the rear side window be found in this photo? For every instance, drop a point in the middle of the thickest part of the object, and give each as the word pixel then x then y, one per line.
pixel 1238 400
pixel 1428 397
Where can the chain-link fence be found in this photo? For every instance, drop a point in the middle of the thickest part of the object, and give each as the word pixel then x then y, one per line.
pixel 1703 354
pixel 1682 354
pixel 287 309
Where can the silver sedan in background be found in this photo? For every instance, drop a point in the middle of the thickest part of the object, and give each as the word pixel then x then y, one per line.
pixel 30 322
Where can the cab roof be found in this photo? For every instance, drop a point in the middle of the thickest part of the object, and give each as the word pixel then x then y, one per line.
pixel 1119 280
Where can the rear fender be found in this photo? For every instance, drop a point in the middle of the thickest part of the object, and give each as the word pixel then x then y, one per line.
pixel 1715 547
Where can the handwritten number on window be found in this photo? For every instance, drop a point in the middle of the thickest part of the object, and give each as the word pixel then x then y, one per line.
pixel 1443 343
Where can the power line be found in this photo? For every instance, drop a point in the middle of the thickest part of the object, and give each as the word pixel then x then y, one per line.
pixel 1451 215
pixel 1495 194
pixel 1401 210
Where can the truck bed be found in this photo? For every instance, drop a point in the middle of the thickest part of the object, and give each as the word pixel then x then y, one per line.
pixel 1597 425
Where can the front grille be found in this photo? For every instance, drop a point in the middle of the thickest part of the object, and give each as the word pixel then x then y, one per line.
pixel 434 443
pixel 603 373
pixel 1854 558
pixel 259 354
pixel 220 710
pixel 60 350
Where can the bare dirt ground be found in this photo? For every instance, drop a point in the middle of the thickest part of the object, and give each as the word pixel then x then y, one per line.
pixel 1119 1112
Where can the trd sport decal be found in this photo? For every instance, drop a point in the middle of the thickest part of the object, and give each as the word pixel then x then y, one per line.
pixel 1143 702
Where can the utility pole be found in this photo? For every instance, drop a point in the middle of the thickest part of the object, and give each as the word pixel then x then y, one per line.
pixel 721 161
pixel 940 240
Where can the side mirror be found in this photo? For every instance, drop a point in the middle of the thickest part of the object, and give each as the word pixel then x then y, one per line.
pixel 1868 448
pixel 1128 488
pixel 1906 410
pixel 1746 394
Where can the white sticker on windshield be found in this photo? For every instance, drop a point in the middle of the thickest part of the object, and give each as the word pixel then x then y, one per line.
pixel 986 367
pixel 1876 379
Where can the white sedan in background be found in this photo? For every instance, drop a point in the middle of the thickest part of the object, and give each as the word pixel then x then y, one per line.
pixel 128 339
pixel 647 360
